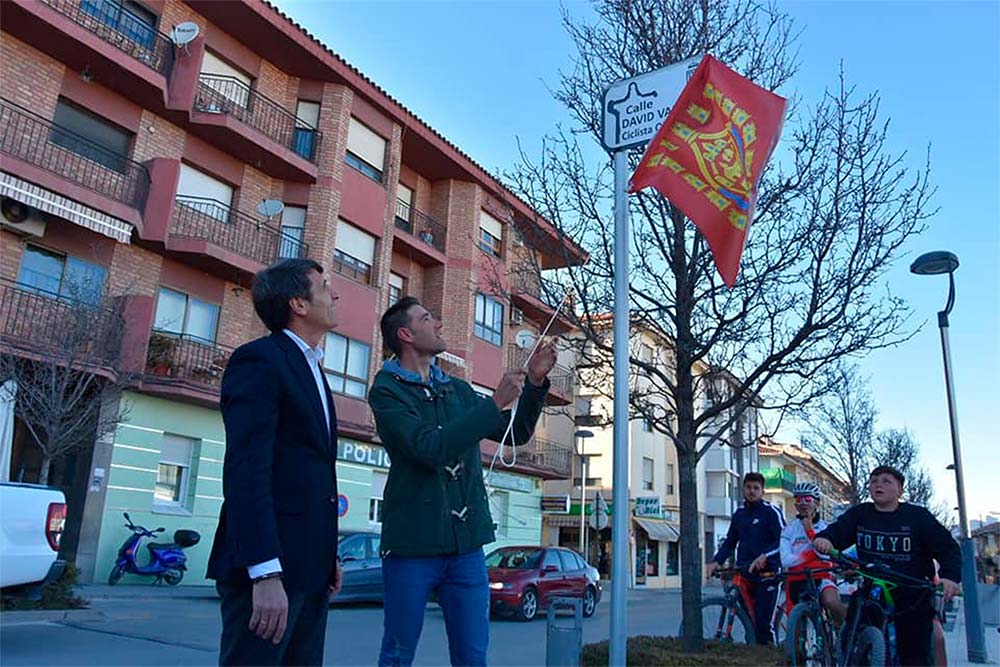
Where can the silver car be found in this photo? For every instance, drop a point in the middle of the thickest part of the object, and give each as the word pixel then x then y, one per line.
pixel 359 556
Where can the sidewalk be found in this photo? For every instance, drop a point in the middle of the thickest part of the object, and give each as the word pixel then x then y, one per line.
pixel 145 590
pixel 955 639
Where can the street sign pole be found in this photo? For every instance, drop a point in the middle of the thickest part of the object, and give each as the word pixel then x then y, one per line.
pixel 619 531
pixel 633 109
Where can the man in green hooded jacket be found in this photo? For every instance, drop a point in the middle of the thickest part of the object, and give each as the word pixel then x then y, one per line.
pixel 435 511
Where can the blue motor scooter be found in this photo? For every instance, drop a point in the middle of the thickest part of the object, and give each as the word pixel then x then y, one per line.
pixel 167 560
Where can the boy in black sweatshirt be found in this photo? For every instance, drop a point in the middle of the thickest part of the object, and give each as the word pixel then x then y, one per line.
pixel 908 539
pixel 756 527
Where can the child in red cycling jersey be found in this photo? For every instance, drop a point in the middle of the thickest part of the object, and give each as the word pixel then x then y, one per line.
pixel 797 553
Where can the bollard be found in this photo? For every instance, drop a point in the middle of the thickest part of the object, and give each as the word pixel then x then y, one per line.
pixel 564 644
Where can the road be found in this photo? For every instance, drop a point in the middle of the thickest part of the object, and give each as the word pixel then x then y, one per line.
pixel 137 625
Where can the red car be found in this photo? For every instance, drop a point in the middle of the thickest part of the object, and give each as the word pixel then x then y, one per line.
pixel 523 579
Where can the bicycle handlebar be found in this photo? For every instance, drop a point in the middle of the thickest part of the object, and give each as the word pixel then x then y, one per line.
pixel 881 568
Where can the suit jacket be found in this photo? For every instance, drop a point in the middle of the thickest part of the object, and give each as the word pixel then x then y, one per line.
pixel 279 478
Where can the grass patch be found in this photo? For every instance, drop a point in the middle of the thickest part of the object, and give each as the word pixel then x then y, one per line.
pixel 668 652
pixel 57 594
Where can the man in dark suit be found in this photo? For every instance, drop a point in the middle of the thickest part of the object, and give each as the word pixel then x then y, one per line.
pixel 274 559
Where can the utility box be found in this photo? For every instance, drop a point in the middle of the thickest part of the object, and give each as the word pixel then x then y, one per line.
pixel 564 641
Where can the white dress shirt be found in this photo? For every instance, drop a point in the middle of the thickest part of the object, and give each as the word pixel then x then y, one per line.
pixel 314 359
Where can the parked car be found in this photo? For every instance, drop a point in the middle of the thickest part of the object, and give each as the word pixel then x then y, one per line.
pixel 359 556
pixel 31 524
pixel 524 579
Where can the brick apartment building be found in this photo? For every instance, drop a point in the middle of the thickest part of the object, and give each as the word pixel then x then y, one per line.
pixel 140 166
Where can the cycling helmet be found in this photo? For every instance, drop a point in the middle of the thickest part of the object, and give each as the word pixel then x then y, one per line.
pixel 807 489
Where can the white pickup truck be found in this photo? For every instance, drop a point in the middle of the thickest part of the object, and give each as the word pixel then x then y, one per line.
pixel 32 519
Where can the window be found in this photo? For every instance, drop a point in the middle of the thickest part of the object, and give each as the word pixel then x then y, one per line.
pixel 52 274
pixel 397 287
pixel 404 209
pixel 673 559
pixel 346 364
pixel 130 19
pixel 490 233
pixel 379 479
pixel 354 253
pixel 489 319
pixel 293 227
pixel 552 558
pixel 91 136
pixel 183 315
pixel 227 83
pixel 365 151
pixel 173 472
pixel 670 478
pixel 352 547
pixel 569 561
pixel 306 124
pixel 647 473
pixel 652 558
pixel 647 425
pixel 199 191
pixel 499 510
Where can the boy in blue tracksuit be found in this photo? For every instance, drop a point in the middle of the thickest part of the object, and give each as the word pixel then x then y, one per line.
pixel 756 527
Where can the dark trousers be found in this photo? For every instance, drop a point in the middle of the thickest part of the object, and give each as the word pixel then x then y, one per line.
pixel 463 591
pixel 765 597
pixel 302 643
pixel 914 622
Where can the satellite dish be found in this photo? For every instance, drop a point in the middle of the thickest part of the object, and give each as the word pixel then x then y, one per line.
pixel 270 208
pixel 524 339
pixel 184 33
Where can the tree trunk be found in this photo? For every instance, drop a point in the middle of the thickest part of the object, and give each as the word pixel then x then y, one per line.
pixel 690 554
pixel 43 473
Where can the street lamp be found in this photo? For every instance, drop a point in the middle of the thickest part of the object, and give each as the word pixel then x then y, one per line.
pixel 581 436
pixel 933 264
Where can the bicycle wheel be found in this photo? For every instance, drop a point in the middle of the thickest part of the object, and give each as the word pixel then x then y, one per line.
pixel 722 621
pixel 869 648
pixel 805 644
pixel 779 625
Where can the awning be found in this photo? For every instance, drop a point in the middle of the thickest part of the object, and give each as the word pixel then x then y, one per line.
pixel 659 530
pixel 50 202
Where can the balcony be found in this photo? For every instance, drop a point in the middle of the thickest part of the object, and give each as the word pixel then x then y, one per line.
pixel 110 43
pixel 551 455
pixel 38 144
pixel 179 365
pixel 255 128
pixel 52 327
pixel 225 241
pixel 418 235
pixel 778 479
pixel 719 506
pixel 561 379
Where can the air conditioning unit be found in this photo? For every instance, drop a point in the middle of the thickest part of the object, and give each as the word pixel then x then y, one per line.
pixel 21 218
pixel 518 238
pixel 516 316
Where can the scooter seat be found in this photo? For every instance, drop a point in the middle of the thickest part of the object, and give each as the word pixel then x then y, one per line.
pixel 161 546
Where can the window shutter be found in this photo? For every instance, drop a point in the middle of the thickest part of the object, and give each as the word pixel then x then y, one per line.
pixel 367 145
pixel 293 216
pixel 176 450
pixel 396 281
pixel 307 115
pixel 490 224
pixel 356 243
pixel 194 183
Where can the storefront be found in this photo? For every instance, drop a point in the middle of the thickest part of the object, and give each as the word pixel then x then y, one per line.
pixel 655 547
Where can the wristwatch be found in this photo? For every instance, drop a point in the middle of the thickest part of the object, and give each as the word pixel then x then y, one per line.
pixel 265 577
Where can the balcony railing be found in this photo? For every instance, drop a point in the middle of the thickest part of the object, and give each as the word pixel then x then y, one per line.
pixel 121 28
pixel 210 220
pixel 420 225
pixel 560 378
pixel 54 326
pixel 228 95
pixel 186 360
pixel 42 143
pixel 778 478
pixel 553 455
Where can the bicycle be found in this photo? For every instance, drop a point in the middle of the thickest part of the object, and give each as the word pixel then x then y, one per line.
pixel 811 639
pixel 869 633
pixel 729 618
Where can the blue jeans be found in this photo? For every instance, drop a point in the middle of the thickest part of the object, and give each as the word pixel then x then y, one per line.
pixel 463 591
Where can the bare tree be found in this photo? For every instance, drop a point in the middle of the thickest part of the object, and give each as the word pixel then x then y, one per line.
pixel 842 429
pixel 61 353
pixel 899 449
pixel 834 211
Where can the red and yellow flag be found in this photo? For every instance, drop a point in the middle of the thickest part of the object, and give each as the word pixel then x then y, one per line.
pixel 708 156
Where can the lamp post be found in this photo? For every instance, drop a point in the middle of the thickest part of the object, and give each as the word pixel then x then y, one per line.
pixel 580 437
pixel 932 264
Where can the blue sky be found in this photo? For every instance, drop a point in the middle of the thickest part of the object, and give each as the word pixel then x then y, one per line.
pixel 479 73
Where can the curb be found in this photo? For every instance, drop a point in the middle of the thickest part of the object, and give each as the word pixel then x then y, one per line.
pixel 50 616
